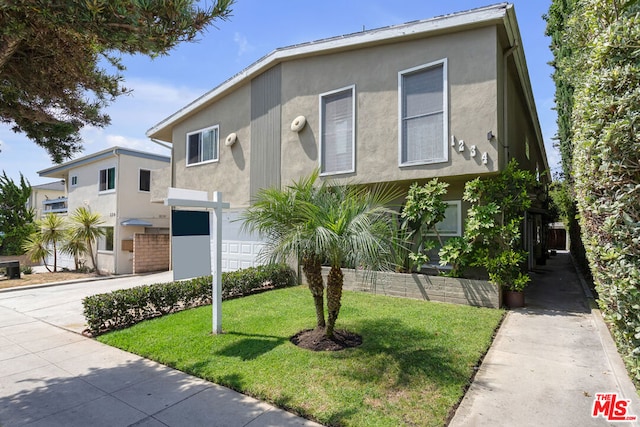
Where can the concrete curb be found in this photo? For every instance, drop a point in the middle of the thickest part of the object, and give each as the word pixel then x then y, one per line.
pixel 68 282
pixel 614 359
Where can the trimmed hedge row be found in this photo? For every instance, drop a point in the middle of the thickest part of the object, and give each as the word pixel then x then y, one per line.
pixel 126 307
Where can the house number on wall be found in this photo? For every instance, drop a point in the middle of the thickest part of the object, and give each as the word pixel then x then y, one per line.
pixel 472 149
pixel 485 158
pixel 461 146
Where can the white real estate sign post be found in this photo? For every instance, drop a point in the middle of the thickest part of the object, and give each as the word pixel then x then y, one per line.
pixel 180 197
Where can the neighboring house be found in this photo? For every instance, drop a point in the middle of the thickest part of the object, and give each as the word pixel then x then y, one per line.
pixel 48 198
pixel 116 183
pixel 446 97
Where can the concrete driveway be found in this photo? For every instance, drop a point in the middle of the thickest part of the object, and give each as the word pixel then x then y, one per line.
pixel 50 375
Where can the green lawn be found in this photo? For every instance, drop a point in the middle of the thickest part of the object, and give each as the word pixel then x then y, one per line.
pixel 411 369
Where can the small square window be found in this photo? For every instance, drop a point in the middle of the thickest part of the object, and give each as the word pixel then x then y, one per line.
pixel 202 146
pixel 451 225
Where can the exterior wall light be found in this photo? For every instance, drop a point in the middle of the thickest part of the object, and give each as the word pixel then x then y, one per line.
pixel 231 139
pixel 298 123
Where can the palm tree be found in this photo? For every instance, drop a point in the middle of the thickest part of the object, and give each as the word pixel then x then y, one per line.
pixel 37 249
pixel 74 246
pixel 343 224
pixel 52 231
pixel 86 227
pixel 278 216
pixel 355 228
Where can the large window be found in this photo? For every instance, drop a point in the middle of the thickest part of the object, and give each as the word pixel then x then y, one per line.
pixel 144 180
pixel 423 114
pixel 337 141
pixel 105 242
pixel 108 179
pixel 202 146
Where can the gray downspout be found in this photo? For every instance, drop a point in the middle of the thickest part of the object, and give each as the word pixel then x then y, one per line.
pixel 505 110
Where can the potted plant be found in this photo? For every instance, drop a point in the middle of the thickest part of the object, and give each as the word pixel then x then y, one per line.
pixel 505 270
pixel 492 231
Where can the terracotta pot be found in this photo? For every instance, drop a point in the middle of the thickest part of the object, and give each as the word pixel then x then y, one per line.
pixel 513 299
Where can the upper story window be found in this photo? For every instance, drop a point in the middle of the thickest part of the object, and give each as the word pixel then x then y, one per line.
pixel 74 180
pixel 108 179
pixel 202 146
pixel 337 136
pixel 423 114
pixel 144 180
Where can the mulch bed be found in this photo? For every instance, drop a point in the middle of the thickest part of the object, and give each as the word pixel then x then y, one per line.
pixel 316 340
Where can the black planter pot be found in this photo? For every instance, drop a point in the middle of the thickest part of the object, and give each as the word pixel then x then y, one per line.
pixel 513 299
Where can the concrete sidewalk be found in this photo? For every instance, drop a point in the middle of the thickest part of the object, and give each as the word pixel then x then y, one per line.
pixel 51 376
pixel 548 360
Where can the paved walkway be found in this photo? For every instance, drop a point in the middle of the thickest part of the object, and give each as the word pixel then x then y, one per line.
pixel 50 375
pixel 548 360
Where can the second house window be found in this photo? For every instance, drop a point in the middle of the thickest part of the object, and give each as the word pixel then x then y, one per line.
pixel 202 146
pixel 108 179
pixel 337 141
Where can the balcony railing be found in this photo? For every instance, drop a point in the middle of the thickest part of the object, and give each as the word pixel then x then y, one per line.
pixel 58 205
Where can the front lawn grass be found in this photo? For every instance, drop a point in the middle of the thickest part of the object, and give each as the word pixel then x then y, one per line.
pixel 413 365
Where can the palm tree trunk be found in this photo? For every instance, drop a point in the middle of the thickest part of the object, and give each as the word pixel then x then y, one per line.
pixel 313 272
pixel 334 295
pixel 44 261
pixel 94 258
pixel 55 257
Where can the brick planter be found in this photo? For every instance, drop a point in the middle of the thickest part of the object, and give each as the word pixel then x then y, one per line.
pixel 479 293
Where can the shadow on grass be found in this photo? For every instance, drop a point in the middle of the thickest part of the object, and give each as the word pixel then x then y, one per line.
pixel 405 353
pixel 251 346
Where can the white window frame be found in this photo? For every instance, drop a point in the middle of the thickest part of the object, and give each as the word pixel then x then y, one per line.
pixel 458 232
pixel 102 240
pixel 115 180
pixel 351 88
pixel 73 180
pixel 139 175
pixel 445 111
pixel 217 146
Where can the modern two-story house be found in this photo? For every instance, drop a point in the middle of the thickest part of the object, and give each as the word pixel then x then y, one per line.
pixel 116 183
pixel 446 97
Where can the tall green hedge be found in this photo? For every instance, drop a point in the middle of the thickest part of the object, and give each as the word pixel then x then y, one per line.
pixel 126 307
pixel 606 159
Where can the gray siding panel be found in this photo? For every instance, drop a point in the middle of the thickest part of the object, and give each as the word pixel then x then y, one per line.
pixel 265 130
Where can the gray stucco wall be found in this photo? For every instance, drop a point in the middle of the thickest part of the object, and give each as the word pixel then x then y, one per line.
pixel 472 111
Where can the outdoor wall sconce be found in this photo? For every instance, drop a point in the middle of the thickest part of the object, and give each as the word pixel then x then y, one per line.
pixel 490 136
pixel 298 123
pixel 231 139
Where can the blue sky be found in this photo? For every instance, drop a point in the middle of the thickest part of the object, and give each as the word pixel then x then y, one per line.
pixel 163 85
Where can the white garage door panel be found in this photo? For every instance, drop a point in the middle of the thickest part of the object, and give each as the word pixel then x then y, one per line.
pixel 239 254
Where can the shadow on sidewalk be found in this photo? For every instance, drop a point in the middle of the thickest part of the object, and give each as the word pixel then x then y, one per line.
pixel 555 289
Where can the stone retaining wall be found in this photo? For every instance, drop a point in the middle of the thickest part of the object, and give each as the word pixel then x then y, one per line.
pixel 479 293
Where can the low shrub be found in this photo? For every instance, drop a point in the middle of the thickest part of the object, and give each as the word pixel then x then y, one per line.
pixel 26 269
pixel 126 307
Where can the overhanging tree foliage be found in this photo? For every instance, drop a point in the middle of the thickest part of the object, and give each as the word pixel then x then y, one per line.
pixel 605 70
pixel 16 219
pixel 52 54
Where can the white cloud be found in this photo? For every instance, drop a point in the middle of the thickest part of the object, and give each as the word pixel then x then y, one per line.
pixel 242 43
